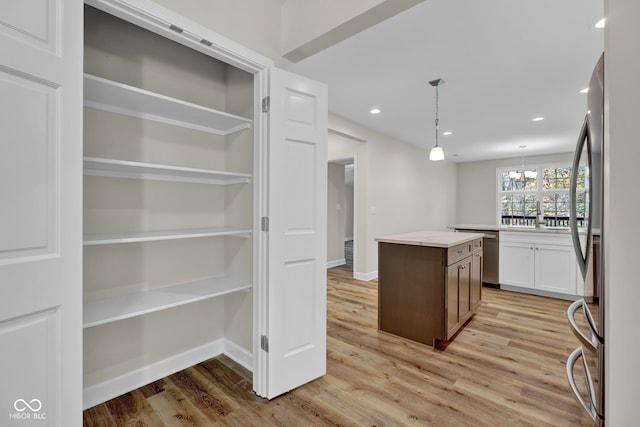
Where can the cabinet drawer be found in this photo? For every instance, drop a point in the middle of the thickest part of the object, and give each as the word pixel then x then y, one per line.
pixel 459 252
pixel 476 244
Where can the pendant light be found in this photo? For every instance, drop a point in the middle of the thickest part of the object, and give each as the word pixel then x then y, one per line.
pixel 436 153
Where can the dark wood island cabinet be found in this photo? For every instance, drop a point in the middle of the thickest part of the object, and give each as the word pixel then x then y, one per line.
pixel 429 283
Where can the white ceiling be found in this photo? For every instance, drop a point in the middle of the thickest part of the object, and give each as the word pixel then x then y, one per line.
pixel 504 62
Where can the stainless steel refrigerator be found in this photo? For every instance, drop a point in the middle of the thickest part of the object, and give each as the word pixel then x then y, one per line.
pixel 585 365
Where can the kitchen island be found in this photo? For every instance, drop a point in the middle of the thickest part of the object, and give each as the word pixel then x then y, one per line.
pixel 429 283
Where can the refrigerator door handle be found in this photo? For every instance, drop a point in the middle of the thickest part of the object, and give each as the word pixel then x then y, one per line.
pixel 582 257
pixel 590 406
pixel 594 340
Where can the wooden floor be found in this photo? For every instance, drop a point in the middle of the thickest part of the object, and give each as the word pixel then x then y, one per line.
pixel 505 368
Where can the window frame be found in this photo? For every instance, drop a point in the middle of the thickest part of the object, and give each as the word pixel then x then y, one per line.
pixel 539 192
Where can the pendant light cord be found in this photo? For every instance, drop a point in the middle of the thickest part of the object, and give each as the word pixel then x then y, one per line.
pixel 437 115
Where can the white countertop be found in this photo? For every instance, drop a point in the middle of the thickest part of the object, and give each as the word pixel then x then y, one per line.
pixel 493 227
pixel 436 239
pixel 487 227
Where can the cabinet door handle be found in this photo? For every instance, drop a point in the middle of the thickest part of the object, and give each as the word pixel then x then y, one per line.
pixel 531 248
pixel 537 249
pixel 460 251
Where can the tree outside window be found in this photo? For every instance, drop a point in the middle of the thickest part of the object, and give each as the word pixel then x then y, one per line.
pixel 521 195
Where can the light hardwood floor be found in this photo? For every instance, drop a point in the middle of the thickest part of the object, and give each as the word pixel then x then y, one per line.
pixel 505 368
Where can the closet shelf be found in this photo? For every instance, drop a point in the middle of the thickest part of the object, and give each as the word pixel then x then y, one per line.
pixel 149 236
pixel 136 170
pixel 120 98
pixel 106 310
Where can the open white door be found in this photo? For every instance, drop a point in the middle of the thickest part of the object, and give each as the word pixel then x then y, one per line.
pixel 297 248
pixel 41 212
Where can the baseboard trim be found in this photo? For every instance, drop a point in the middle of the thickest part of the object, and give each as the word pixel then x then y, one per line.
pixel 366 276
pixel 238 354
pixel 336 262
pixel 114 387
pixel 539 292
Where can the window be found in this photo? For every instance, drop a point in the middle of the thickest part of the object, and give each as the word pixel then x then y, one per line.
pixel 525 193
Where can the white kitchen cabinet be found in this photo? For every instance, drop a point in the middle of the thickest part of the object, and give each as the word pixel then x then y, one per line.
pixel 517 263
pixel 194 184
pixel 555 269
pixel 542 263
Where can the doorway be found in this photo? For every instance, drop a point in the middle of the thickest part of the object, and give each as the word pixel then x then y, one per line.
pixel 341 213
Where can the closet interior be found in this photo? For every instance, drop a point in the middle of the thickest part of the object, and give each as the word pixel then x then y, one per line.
pixel 168 202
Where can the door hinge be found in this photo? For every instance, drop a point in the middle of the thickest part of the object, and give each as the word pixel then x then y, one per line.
pixel 264 343
pixel 264 223
pixel 266 104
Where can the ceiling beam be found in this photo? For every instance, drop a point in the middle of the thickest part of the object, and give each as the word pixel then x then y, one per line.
pixel 309 26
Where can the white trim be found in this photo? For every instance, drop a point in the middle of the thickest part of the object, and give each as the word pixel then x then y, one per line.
pixel 106 390
pixel 366 276
pixel 343 159
pixel 262 85
pixel 346 135
pixel 540 292
pixel 158 19
pixel 238 354
pixel 336 263
pixel 347 239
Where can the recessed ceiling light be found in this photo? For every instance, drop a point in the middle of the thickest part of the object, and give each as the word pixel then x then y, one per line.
pixel 600 23
pixel 585 90
pixel 375 111
pixel 447 133
pixel 537 119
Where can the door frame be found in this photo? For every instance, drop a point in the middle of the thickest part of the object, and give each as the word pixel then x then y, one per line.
pixel 351 159
pixel 164 22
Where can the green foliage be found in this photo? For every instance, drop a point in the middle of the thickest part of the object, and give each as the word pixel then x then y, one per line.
pixel 519 194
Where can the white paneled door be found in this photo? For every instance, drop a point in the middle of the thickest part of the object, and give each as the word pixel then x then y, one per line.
pixel 41 212
pixel 296 327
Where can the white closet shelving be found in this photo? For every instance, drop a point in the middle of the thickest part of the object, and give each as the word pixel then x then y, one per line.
pixel 180 165
pixel 151 236
pixel 136 170
pixel 120 98
pixel 101 311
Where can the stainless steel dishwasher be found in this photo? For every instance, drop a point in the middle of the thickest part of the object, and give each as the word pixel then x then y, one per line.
pixel 491 255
